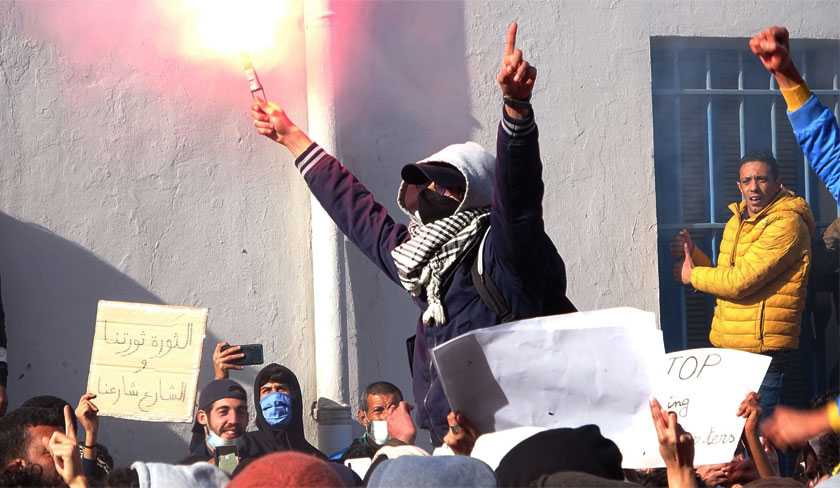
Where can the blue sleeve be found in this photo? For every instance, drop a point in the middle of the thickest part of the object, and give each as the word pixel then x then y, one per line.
pixel 352 207
pixel 516 215
pixel 817 133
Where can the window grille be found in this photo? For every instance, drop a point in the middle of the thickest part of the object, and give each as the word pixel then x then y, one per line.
pixel 712 103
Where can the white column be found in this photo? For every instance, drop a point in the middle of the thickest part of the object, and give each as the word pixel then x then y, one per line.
pixel 329 275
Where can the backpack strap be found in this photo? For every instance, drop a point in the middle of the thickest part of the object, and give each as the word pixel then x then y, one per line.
pixel 487 289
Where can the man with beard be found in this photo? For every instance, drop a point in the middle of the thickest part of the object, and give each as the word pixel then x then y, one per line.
pixel 219 428
pixel 279 404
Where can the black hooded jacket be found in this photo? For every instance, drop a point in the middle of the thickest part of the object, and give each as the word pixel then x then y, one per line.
pixel 291 437
pixel 265 440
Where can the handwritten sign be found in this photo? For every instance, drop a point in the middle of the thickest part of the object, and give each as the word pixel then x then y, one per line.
pixel 145 360
pixel 570 370
pixel 704 387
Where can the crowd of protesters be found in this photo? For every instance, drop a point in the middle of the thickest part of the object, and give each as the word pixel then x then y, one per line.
pixel 474 254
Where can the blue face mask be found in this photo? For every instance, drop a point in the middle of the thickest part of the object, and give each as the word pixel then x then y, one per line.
pixel 277 409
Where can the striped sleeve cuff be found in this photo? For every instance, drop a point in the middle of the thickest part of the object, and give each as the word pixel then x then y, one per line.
pixel 517 128
pixel 834 414
pixel 796 97
pixel 313 155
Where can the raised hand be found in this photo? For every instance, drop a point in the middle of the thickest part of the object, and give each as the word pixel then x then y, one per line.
pixel 791 428
pixel 687 266
pixel 516 77
pixel 681 239
pixel 772 47
pixel 400 424
pixel 272 122
pixel 462 434
pixel 750 410
pixel 65 453
pixel 88 415
pixel 676 446
pixel 222 359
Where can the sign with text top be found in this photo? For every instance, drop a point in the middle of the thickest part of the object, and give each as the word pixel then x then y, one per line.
pixel 704 387
pixel 145 360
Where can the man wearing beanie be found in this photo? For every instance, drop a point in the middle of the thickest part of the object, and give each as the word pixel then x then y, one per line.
pixel 219 428
pixel 583 449
pixel 474 253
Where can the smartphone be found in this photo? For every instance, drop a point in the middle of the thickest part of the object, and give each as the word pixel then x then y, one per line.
pixel 253 354
pixel 227 459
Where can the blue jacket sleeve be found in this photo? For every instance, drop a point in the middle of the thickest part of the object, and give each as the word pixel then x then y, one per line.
pixel 352 207
pixel 817 133
pixel 516 215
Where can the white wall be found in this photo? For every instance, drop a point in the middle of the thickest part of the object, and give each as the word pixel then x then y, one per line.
pixel 131 173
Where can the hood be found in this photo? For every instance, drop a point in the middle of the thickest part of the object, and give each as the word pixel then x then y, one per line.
pixel 291 437
pixel 476 164
pixel 284 375
pixel 785 201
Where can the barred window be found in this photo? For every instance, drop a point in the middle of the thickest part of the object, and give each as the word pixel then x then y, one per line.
pixel 713 102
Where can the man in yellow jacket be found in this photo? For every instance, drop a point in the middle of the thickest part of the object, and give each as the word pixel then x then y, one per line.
pixel 761 274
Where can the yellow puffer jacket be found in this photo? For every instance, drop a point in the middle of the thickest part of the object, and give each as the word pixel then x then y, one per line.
pixel 761 276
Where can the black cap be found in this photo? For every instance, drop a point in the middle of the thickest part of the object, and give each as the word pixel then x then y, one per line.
pixel 582 449
pixel 218 389
pixel 443 174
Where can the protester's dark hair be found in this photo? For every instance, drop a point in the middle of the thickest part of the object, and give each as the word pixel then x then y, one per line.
pixel 23 476
pixel 762 157
pixel 52 402
pixel 122 478
pixel 379 388
pixel 14 435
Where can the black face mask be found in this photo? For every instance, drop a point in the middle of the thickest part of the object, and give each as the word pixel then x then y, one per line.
pixel 433 206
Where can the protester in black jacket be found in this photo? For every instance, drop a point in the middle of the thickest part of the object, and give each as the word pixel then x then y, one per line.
pixel 472 217
pixel 280 412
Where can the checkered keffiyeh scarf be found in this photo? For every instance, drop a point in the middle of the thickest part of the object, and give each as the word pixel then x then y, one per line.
pixel 424 260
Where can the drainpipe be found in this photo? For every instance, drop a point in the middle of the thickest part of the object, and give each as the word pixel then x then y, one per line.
pixel 331 411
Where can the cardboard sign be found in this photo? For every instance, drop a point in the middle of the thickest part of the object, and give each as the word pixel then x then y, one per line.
pixel 704 387
pixel 562 371
pixel 145 360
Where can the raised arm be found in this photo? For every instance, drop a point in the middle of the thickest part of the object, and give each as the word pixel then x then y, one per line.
pixel 350 205
pixel 516 216
pixel 814 125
